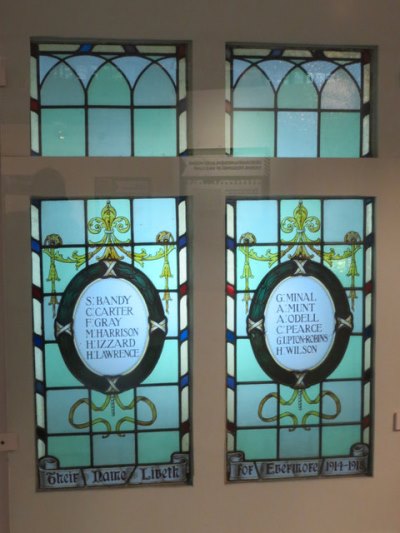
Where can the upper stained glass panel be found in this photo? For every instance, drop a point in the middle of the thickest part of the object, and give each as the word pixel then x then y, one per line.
pixel 298 103
pixel 89 99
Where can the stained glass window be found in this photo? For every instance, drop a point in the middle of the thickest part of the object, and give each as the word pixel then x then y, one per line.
pixel 299 337
pixel 111 341
pixel 298 103
pixel 93 99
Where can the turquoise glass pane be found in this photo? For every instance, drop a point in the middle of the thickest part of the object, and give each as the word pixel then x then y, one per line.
pixel 340 134
pixel 114 449
pixel 154 87
pixel 257 443
pixel 276 70
pixel 85 66
pixel 57 373
pixel 166 370
pixel 45 64
pixel 252 216
pixel 247 367
pixel 110 132
pixel 66 271
pixel 312 226
pixel 339 440
pixel 340 92
pixel 166 402
pixel 342 217
pixel 357 309
pixel 155 265
pixel 121 227
pixel 110 413
pixel 297 91
pixel 71 451
pixel 169 65
pixel 248 399
pixel 253 90
pixel 132 67
pixel 241 315
pixel 155 132
pixel 239 66
pixel 298 443
pixel 342 268
pixel 253 133
pixel 348 393
pixel 62 87
pixel 258 267
pixel 351 364
pixel 153 217
pixel 49 314
pixel 157 447
pixel 109 87
pixel 63 132
pixel 59 405
pixel 355 71
pixel 300 410
pixel 65 218
pixel 319 71
pixel 297 134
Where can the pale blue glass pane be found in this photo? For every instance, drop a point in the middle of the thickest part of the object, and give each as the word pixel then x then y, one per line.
pixel 239 66
pixel 297 91
pixel 297 134
pixel 109 132
pixel 299 409
pixel 169 64
pixel 122 224
pixel 299 443
pixel 155 132
pixel 355 70
pixel 248 399
pixel 319 71
pixel 152 216
pixel 70 451
pixel 154 87
pixel 241 315
pixel 259 268
pixel 62 87
pixel 259 217
pixel 154 266
pixel 59 404
pixel 63 132
pixel 349 395
pixel 65 271
pixel 45 64
pixel 85 66
pixel 313 208
pixel 340 92
pixel 57 374
pixel 339 440
pixel 358 312
pixel 166 402
pixel 247 367
pixel 157 447
pixel 108 87
pixel 342 216
pixel 132 67
pixel 113 450
pixel 49 314
pixel 65 218
pixel 351 364
pixel 342 267
pixel 253 90
pixel 257 443
pixel 340 134
pixel 276 70
pixel 108 416
pixel 253 133
pixel 166 370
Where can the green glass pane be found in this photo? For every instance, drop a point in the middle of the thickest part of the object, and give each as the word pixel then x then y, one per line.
pixel 110 132
pixel 252 216
pixel 297 91
pixel 339 440
pixel 155 132
pixel 253 270
pixel 63 132
pixel 349 271
pixel 60 412
pixel 57 373
pixel 61 87
pixel 340 92
pixel 257 443
pixel 157 447
pixel 166 370
pixel 108 87
pixel 108 413
pixel 351 364
pixel 155 269
pixel 342 217
pixel 64 218
pixel 113 450
pixel 166 402
pixel 253 90
pixel 340 134
pixel 153 217
pixel 65 271
pixel 154 87
pixel 301 411
pixel 70 450
pixel 342 396
pixel 247 367
pixel 297 134
pixel 288 210
pixel 249 399
pixel 298 443
pixel 253 133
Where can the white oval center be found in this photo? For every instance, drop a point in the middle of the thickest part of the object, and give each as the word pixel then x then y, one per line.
pixel 111 326
pixel 299 323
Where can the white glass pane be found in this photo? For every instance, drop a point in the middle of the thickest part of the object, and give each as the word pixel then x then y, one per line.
pixel 186 442
pixel 230 359
pixel 36 278
pixel 185 404
pixel 230 443
pixel 41 449
pixel 297 53
pixel 251 51
pixel 40 410
pixel 366 435
pixel 34 93
pixel 182 266
pixel 367 82
pixel 367 393
pixel 39 374
pixel 58 47
pixel 365 138
pixel 230 221
pixel 37 317
pixel 228 140
pixel 230 307
pixel 367 354
pixel 368 264
pixel 182 78
pixel 230 267
pixel 183 311
pixel 182 132
pixel 230 398
pixel 35 222
pixel 227 81
pixel 368 217
pixel 184 358
pixel 182 218
pixel 368 310
pixel 336 54
pixel 34 131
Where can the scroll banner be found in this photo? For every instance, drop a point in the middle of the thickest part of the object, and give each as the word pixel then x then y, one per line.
pixel 354 464
pixel 53 477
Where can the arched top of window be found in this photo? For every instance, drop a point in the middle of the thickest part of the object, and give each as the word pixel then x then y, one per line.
pixel 154 87
pixel 108 87
pixel 276 70
pixel 132 67
pixel 85 66
pixel 340 92
pixel 61 86
pixel 253 90
pixel 297 91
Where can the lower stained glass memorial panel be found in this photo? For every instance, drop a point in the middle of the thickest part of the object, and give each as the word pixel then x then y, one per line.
pixel 111 342
pixel 299 337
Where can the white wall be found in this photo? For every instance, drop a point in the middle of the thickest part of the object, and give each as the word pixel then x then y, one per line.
pixel 364 505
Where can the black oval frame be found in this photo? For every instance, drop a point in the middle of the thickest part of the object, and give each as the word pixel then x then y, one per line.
pixel 343 328
pixel 65 335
